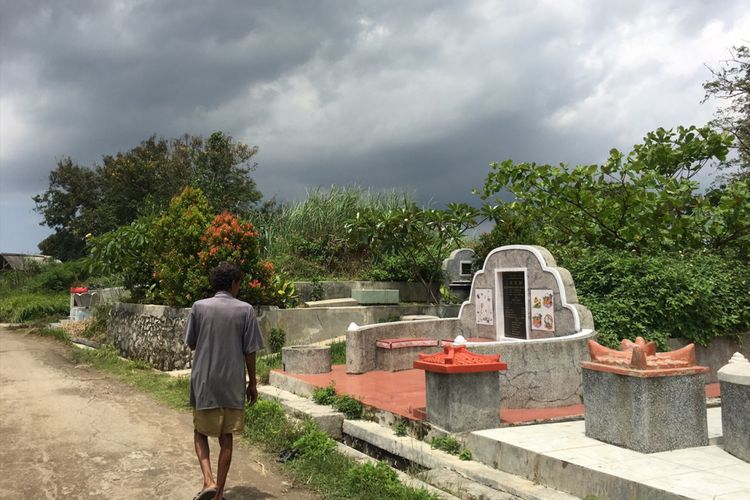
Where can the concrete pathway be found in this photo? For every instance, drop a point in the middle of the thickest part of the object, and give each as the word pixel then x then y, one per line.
pixel 72 432
pixel 561 456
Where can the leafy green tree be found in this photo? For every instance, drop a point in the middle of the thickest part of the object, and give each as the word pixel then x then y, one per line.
pixel 81 201
pixel 731 83
pixel 646 200
pixel 415 234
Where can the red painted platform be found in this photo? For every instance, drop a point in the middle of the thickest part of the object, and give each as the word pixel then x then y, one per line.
pixel 403 393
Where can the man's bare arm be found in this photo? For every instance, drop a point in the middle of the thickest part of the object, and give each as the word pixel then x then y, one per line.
pixel 252 390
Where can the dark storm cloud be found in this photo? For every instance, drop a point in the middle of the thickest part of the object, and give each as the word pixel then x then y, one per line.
pixel 419 96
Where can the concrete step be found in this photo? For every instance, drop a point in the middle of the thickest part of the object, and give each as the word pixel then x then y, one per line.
pixel 424 455
pixel 328 420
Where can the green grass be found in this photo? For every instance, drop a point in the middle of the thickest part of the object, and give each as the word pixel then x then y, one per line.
pixel 30 306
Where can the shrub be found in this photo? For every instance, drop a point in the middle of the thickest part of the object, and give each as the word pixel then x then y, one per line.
pixel 448 444
pixel 661 296
pixel 276 339
pixel 324 395
pixel 314 444
pixel 348 406
pixel 60 277
pixel 380 482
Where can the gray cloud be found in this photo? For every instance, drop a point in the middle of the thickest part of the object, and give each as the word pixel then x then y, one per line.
pixel 418 96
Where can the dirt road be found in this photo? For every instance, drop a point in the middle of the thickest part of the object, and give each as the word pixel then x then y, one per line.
pixel 72 432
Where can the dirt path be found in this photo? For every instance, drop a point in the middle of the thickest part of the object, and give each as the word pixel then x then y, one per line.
pixel 72 432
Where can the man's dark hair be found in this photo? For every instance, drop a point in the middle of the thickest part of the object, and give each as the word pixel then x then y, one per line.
pixel 223 275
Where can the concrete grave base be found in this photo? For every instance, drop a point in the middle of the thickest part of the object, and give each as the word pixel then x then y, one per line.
pixel 735 410
pixel 645 414
pixel 460 402
pixel 306 359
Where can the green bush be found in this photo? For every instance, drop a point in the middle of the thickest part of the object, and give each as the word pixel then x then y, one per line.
pixel 324 395
pixel 380 482
pixel 24 307
pixel 338 353
pixel 448 444
pixel 348 406
pixel 97 329
pixel 266 423
pixel 314 444
pixel 60 277
pixel 276 339
pixel 657 297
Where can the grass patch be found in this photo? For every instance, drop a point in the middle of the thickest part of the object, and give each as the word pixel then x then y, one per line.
pixel 30 306
pixel 264 365
pixel 172 391
pixel 313 459
pixel 55 333
pixel 338 352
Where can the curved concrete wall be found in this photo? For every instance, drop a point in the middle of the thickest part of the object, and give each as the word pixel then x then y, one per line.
pixel 542 373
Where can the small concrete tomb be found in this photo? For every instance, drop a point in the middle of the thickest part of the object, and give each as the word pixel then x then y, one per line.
pixel 306 359
pixel 734 379
pixel 463 389
pixel 521 294
pixel 643 400
pixel 457 272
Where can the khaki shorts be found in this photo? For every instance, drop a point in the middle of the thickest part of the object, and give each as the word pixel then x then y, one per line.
pixel 217 421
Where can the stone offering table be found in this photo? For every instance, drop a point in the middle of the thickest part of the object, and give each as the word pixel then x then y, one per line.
pixel 643 400
pixel 734 379
pixel 306 359
pixel 463 388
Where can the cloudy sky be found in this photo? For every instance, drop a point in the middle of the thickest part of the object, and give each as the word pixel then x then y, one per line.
pixel 414 95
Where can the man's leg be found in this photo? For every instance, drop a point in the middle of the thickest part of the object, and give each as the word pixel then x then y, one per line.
pixel 204 459
pixel 225 460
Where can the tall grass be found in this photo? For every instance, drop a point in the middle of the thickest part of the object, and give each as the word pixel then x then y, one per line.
pixel 308 239
pixel 29 306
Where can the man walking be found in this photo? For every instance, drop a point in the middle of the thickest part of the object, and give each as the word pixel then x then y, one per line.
pixel 225 335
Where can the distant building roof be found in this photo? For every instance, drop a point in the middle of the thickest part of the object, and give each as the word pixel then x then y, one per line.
pixel 20 260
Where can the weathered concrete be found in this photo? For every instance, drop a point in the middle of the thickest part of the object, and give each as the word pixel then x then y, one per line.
pixel 361 352
pixel 422 454
pixel 392 360
pixel 716 353
pixel 541 272
pixel 306 359
pixel 311 325
pixel 332 303
pixel 408 292
pixel 541 373
pixel 648 415
pixel 150 333
pixel 735 406
pixel 368 296
pixel 460 402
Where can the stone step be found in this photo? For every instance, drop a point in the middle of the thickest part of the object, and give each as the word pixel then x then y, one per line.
pixel 349 302
pixel 423 454
pixel 328 420
pixel 370 296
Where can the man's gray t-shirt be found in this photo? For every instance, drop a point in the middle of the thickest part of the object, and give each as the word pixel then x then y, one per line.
pixel 221 329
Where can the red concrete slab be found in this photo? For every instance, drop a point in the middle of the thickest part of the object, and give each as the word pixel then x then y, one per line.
pixel 403 393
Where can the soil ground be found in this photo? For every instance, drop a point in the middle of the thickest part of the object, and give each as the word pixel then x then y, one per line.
pixel 68 431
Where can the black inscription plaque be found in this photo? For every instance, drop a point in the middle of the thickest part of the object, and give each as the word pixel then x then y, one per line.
pixel 514 304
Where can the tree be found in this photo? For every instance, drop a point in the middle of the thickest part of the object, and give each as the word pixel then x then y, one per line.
pixel 731 83
pixel 416 235
pixel 646 200
pixel 124 186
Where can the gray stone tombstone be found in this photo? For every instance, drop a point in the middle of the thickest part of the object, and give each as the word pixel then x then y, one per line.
pixel 734 379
